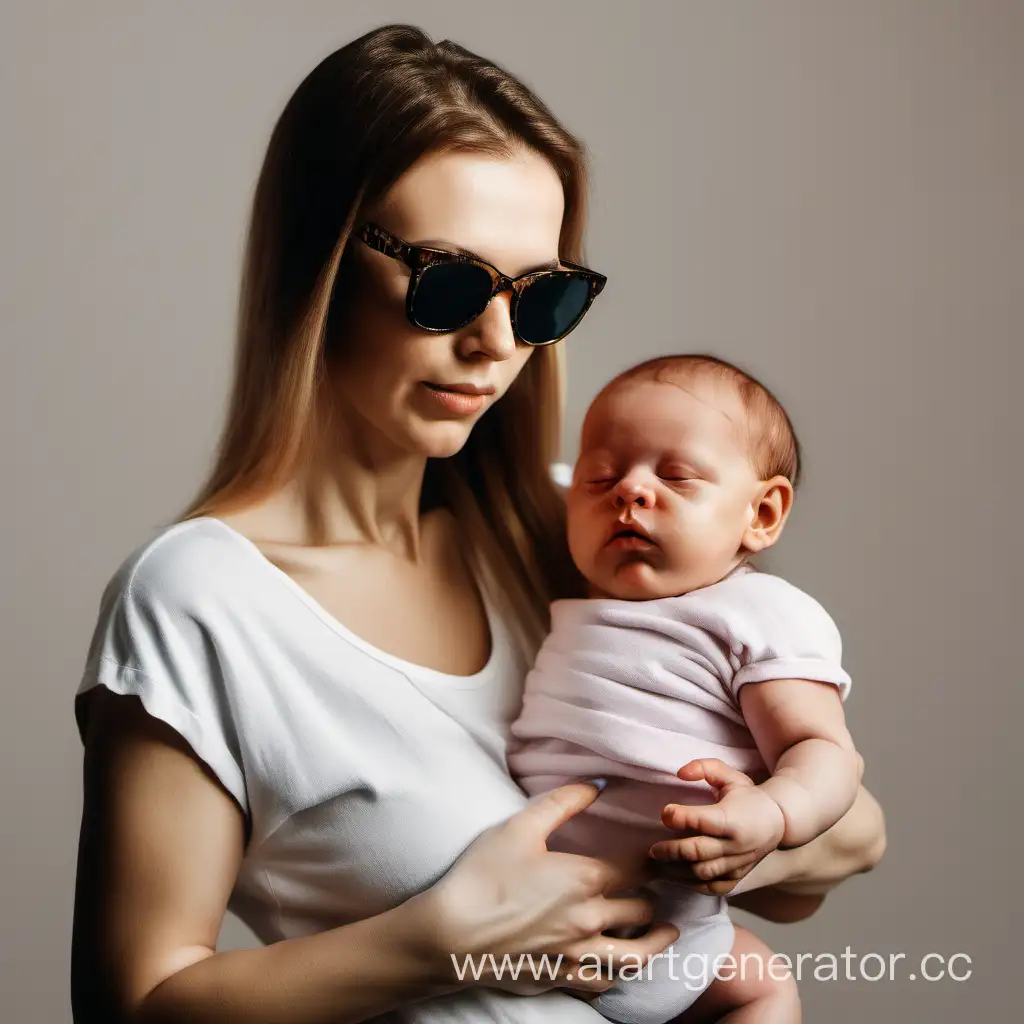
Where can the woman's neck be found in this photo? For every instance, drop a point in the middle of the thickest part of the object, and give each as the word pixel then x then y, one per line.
pixel 360 489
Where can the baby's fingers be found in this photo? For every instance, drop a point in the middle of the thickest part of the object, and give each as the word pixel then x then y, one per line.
pixel 723 867
pixel 713 771
pixel 699 820
pixel 695 848
pixel 717 887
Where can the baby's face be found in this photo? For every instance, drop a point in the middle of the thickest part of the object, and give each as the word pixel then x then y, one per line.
pixel 663 490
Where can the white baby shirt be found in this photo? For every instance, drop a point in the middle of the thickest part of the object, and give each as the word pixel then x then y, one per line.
pixel 633 690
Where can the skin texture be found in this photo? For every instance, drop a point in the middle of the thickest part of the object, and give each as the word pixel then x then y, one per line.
pixel 162 841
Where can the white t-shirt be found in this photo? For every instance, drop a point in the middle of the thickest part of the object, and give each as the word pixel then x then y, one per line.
pixel 365 776
pixel 633 690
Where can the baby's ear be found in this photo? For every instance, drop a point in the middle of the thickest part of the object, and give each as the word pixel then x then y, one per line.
pixel 769 511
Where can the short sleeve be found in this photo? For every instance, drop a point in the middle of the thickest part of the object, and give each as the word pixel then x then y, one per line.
pixel 776 631
pixel 149 642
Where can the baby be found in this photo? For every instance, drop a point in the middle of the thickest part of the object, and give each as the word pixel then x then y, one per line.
pixel 687 467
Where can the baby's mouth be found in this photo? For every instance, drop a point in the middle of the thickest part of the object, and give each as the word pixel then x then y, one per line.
pixel 630 537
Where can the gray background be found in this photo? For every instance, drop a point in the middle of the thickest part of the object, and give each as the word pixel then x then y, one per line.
pixel 830 193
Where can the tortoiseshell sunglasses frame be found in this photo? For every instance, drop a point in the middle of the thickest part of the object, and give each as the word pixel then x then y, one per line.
pixel 418 258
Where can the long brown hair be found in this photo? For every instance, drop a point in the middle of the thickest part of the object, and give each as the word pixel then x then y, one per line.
pixel 360 119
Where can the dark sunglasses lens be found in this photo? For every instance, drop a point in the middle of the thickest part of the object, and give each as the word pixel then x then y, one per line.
pixel 551 306
pixel 450 295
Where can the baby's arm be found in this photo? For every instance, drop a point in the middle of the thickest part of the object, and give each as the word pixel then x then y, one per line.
pixel 801 733
pixel 790 685
pixel 800 730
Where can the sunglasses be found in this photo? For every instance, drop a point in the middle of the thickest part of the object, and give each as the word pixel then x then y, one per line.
pixel 448 290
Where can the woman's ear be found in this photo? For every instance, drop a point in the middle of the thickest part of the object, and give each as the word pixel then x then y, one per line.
pixel 769 511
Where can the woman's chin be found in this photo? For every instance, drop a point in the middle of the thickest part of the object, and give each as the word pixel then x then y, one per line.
pixel 441 440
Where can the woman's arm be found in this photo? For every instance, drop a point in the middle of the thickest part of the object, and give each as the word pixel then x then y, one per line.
pixel 160 849
pixel 789 885
pixel 159 854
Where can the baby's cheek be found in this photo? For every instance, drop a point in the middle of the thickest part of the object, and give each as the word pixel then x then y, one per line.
pixel 700 526
pixel 582 540
pixel 702 553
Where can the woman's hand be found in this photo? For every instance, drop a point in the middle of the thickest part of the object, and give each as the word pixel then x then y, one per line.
pixel 724 841
pixel 509 900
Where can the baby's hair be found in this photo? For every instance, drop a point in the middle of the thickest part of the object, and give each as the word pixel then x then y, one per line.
pixel 775 450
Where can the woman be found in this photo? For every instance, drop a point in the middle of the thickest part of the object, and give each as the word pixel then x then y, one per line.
pixel 296 699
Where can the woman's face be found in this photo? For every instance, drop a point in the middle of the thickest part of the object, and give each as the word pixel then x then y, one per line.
pixel 395 382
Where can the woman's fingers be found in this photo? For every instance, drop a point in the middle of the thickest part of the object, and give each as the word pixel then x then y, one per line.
pixel 595 876
pixel 625 911
pixel 542 815
pixel 604 950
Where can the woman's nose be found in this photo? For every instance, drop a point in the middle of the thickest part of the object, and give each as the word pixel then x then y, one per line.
pixel 491 332
pixel 634 491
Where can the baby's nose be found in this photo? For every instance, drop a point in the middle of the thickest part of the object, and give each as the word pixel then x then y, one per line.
pixel 632 491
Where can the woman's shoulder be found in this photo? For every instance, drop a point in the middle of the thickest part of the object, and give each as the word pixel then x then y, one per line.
pixel 153 639
pixel 174 565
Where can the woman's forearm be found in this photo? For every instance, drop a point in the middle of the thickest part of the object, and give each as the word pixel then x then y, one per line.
pixel 797 879
pixel 853 845
pixel 340 976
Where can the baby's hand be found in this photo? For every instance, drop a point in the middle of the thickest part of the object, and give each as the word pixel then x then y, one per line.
pixel 724 840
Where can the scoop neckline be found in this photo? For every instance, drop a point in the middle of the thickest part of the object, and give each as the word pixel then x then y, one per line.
pixel 409 668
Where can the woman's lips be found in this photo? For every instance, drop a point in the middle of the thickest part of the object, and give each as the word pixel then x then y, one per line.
pixel 461 403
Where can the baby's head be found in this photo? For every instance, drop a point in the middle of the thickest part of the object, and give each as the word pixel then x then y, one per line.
pixel 687 465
